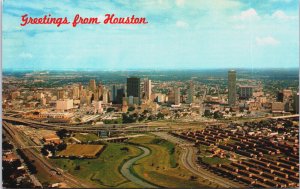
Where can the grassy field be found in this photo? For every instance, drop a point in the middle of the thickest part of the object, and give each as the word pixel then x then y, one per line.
pixel 85 150
pixel 103 171
pixel 163 166
pixel 86 137
pixel 215 160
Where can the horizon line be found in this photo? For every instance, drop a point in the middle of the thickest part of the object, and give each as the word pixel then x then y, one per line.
pixel 145 69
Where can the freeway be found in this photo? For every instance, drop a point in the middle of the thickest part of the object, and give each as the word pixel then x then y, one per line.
pixel 92 129
pixel 189 161
pixel 39 160
pixel 125 170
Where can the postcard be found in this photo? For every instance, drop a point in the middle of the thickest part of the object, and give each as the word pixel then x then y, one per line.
pixel 150 94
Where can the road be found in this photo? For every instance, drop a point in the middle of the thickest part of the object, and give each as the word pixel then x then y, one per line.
pixel 125 170
pixel 189 161
pixel 122 128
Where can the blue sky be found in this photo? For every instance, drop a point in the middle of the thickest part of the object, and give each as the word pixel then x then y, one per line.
pixel 181 34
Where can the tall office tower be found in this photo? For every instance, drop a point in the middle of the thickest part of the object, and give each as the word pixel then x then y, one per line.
pixel 92 85
pixel 80 87
pixel 105 96
pixel 246 91
pixel 191 92
pixel 231 87
pixel 287 94
pixel 133 87
pixel 148 89
pixel 76 93
pixel 98 107
pixel 171 97
pixel 177 95
pixel 60 94
pixel 100 91
pixel 296 103
pixel 120 95
pixel 279 96
pixel 96 95
pixel 114 93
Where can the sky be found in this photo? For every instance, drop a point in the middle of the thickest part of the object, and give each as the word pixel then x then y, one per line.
pixel 180 34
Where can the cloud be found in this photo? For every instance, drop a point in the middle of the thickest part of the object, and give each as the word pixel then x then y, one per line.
pixel 26 55
pixel 210 4
pixel 182 24
pixel 284 1
pixel 249 14
pixel 262 41
pixel 180 3
pixel 239 27
pixel 279 14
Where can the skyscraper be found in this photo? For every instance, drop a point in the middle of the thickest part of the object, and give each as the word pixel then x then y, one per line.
pixel 191 92
pixel 177 95
pixel 133 87
pixel 113 93
pixel 147 89
pixel 100 91
pixel 105 96
pixel 296 103
pixel 76 93
pixel 120 95
pixel 60 94
pixel 231 87
pixel 92 85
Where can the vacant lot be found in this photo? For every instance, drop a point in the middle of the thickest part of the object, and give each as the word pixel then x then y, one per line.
pixel 81 150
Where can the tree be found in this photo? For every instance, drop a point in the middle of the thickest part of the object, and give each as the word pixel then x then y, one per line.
pixel 218 115
pixel 77 167
pixel 207 113
pixel 160 115
pixel 44 151
pixel 7 146
pixel 151 117
pixel 192 178
pixel 61 146
pixel 125 149
pixel 128 118
pixel 62 133
pixel 131 108
pixel 110 110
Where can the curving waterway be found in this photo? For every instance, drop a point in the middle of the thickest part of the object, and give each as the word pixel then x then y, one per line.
pixel 125 170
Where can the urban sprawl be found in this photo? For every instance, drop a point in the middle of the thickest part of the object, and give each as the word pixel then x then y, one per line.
pixel 73 130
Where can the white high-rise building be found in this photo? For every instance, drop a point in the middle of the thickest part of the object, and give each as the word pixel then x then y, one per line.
pixel 98 107
pixel 65 104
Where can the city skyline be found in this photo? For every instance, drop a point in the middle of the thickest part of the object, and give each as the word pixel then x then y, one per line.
pixel 180 35
pixel 220 129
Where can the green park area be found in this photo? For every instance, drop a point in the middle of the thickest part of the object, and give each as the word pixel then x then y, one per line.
pixel 215 160
pixel 103 171
pixel 163 166
pixel 86 137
